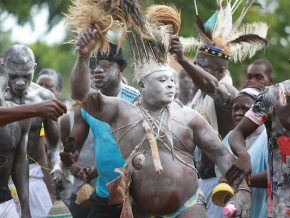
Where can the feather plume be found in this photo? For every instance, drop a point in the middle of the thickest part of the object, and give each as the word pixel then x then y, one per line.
pixel 104 15
pixel 249 38
pixel 204 34
pixel 190 44
pixel 164 15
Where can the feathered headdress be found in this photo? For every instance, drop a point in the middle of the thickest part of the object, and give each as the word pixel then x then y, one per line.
pixel 220 37
pixel 151 54
pixel 104 15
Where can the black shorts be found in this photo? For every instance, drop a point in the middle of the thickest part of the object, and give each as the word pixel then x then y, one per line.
pixel 101 209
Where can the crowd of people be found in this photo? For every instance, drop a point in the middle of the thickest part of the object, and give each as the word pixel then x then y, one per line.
pixel 155 151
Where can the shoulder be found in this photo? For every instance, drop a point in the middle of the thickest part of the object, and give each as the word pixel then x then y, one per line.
pixel 44 94
pixel 184 111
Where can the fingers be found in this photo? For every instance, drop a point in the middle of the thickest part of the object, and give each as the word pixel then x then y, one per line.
pixel 66 158
pixel 223 180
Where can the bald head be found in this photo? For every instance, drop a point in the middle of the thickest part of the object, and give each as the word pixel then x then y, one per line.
pixel 19 54
pixel 20 65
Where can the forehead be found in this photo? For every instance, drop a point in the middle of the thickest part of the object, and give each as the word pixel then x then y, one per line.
pixel 183 73
pixel 256 68
pixel 243 100
pixel 47 78
pixel 161 73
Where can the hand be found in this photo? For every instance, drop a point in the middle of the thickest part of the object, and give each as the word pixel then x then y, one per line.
pixel 50 109
pixel 222 180
pixel 240 169
pixel 60 176
pixel 91 173
pixel 242 201
pixel 68 158
pixel 78 171
pixel 86 41
pixel 283 109
pixel 176 48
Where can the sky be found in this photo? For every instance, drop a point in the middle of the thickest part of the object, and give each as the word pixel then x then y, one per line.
pixel 28 35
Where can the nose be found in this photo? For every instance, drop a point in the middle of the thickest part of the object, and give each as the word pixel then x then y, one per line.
pixel 170 85
pixel 98 70
pixel 20 82
pixel 239 112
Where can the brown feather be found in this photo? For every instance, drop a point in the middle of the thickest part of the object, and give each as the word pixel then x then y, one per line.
pixel 248 38
pixel 199 29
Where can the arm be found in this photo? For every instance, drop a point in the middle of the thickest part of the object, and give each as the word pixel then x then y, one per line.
pixel 80 132
pixel 206 82
pixel 237 140
pixel 49 109
pixel 283 110
pixel 20 169
pixel 208 141
pixel 80 75
pixel 259 180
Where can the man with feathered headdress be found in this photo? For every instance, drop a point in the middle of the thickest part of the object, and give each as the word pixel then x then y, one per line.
pixel 156 136
pixel 219 42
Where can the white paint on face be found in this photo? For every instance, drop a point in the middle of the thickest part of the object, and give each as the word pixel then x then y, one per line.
pixel 159 89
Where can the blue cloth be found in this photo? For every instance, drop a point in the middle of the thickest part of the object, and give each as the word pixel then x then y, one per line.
pixel 259 158
pixel 107 154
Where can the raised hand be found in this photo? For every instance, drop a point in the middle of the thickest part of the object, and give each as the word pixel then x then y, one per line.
pixel 50 109
pixel 176 48
pixel 86 41
pixel 283 109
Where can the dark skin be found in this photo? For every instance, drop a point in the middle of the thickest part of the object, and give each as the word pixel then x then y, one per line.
pixel 258 73
pixel 158 195
pixel 20 66
pixel 205 72
pixel 48 109
pixel 80 132
pixel 186 92
pixel 13 138
pixel 241 105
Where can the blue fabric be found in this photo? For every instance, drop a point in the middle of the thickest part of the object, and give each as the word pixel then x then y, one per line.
pixel 107 154
pixel 259 158
pixel 210 23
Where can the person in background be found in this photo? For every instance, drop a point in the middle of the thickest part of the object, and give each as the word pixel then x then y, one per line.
pixel 256 145
pixel 260 71
pixel 19 62
pixel 187 89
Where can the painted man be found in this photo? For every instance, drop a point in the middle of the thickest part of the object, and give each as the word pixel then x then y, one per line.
pixel 175 192
pixel 14 137
pixel 20 65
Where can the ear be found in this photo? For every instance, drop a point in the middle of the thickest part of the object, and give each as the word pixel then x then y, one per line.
pixel 35 65
pixel 141 86
pixel 7 89
pixel 272 80
pixel 221 71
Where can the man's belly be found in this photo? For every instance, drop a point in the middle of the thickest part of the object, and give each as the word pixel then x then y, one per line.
pixel 164 193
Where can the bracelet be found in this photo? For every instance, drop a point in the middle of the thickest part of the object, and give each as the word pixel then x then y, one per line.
pixel 245 189
pixel 181 59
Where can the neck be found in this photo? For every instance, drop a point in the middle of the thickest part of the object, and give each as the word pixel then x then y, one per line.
pixel 112 90
pixel 154 109
pixel 185 96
